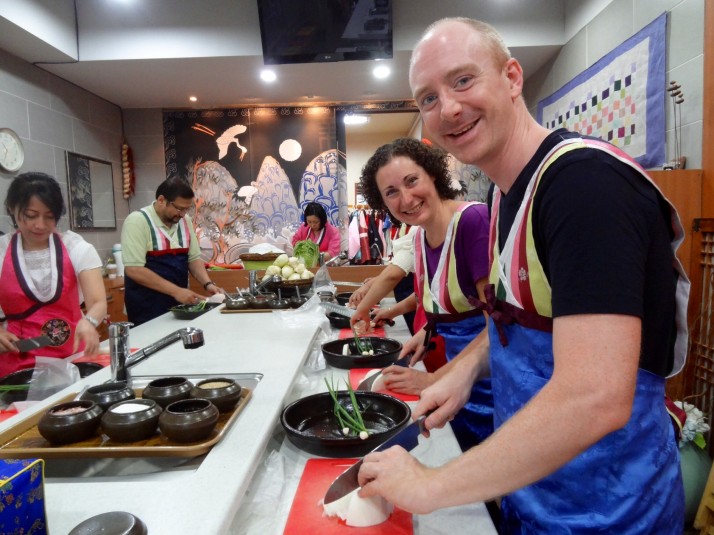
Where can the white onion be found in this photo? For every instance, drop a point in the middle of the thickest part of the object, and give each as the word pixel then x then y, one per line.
pixel 359 512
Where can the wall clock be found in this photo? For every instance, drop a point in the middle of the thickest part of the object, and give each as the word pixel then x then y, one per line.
pixel 12 154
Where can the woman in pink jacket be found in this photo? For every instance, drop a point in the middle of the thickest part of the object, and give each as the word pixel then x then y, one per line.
pixel 317 229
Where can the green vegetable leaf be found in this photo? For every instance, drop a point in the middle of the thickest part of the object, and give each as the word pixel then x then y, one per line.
pixel 308 251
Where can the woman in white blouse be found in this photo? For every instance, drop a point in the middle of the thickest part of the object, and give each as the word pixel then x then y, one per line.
pixel 45 276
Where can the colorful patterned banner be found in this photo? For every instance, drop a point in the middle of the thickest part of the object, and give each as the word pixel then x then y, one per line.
pixel 620 98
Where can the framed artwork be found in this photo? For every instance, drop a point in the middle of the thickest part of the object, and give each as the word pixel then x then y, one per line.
pixel 620 98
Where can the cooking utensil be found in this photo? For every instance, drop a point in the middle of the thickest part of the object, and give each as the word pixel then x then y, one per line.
pixel 386 351
pixel 346 311
pixel 345 483
pixel 30 344
pixel 310 423
pixel 367 383
pixel 190 312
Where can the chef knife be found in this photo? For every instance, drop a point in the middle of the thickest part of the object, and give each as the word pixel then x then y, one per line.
pixel 346 482
pixel 367 382
pixel 29 344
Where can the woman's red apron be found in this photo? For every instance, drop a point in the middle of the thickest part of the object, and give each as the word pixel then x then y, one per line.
pixel 28 316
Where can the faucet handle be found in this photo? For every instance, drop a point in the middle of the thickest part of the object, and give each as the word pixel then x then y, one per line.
pixel 119 328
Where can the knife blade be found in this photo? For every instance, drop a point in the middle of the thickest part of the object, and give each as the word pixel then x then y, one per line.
pixel 347 481
pixel 367 382
pixel 29 344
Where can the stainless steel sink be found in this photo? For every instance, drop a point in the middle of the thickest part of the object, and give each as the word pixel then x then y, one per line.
pixel 65 468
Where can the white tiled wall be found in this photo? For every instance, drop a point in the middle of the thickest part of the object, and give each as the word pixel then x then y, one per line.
pixel 616 23
pixel 52 116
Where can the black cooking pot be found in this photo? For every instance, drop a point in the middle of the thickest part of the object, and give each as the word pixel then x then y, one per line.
pixel 311 425
pixel 24 377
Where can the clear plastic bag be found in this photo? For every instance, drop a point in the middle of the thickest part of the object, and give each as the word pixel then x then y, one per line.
pixel 50 376
pixel 322 282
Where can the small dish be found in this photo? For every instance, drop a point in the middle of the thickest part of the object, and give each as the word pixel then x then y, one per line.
pixel 116 522
pixel 166 390
pixel 261 300
pixel 70 422
pixel 236 302
pixel 107 394
pixel 188 420
pixel 224 393
pixel 131 420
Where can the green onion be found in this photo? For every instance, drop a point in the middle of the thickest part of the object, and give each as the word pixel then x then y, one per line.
pixel 14 388
pixel 350 420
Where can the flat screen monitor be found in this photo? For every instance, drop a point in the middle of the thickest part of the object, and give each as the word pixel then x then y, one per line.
pixel 309 31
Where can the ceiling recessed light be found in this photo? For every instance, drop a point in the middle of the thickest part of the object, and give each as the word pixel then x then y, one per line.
pixel 352 119
pixel 268 76
pixel 381 71
pixel 193 99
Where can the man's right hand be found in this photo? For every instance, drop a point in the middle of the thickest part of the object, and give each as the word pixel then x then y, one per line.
pixel 187 297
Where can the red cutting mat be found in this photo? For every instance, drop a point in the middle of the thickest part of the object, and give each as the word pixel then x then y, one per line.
pixel 357 374
pixel 377 333
pixel 306 512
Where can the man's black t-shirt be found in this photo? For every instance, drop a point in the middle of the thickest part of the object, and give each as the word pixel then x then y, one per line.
pixel 602 234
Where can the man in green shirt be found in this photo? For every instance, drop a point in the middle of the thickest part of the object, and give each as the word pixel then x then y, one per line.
pixel 159 249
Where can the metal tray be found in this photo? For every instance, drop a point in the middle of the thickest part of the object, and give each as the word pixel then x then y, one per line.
pixel 23 440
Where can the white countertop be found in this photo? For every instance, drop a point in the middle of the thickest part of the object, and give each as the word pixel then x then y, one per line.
pixel 215 494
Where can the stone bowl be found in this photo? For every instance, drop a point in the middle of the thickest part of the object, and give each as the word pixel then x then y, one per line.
pixel 188 420
pixel 69 422
pixel 107 394
pixel 131 420
pixel 166 390
pixel 224 393
pixel 236 302
pixel 261 300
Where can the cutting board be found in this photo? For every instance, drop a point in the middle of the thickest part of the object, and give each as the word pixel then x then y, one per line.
pixel 306 511
pixel 377 333
pixel 357 374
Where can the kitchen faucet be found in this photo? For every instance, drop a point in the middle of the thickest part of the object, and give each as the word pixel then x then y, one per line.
pixel 121 360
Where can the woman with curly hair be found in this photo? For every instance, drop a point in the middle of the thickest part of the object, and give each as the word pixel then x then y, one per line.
pixel 411 180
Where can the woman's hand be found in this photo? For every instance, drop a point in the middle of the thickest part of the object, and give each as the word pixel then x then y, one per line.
pixel 85 332
pixel 414 345
pixel 359 293
pixel 406 380
pixel 361 320
pixel 383 315
pixel 7 341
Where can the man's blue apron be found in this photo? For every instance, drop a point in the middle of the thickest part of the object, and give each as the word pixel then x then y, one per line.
pixel 629 482
pixel 144 304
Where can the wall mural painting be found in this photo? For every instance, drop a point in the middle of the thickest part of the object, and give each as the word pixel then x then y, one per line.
pixel 252 171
